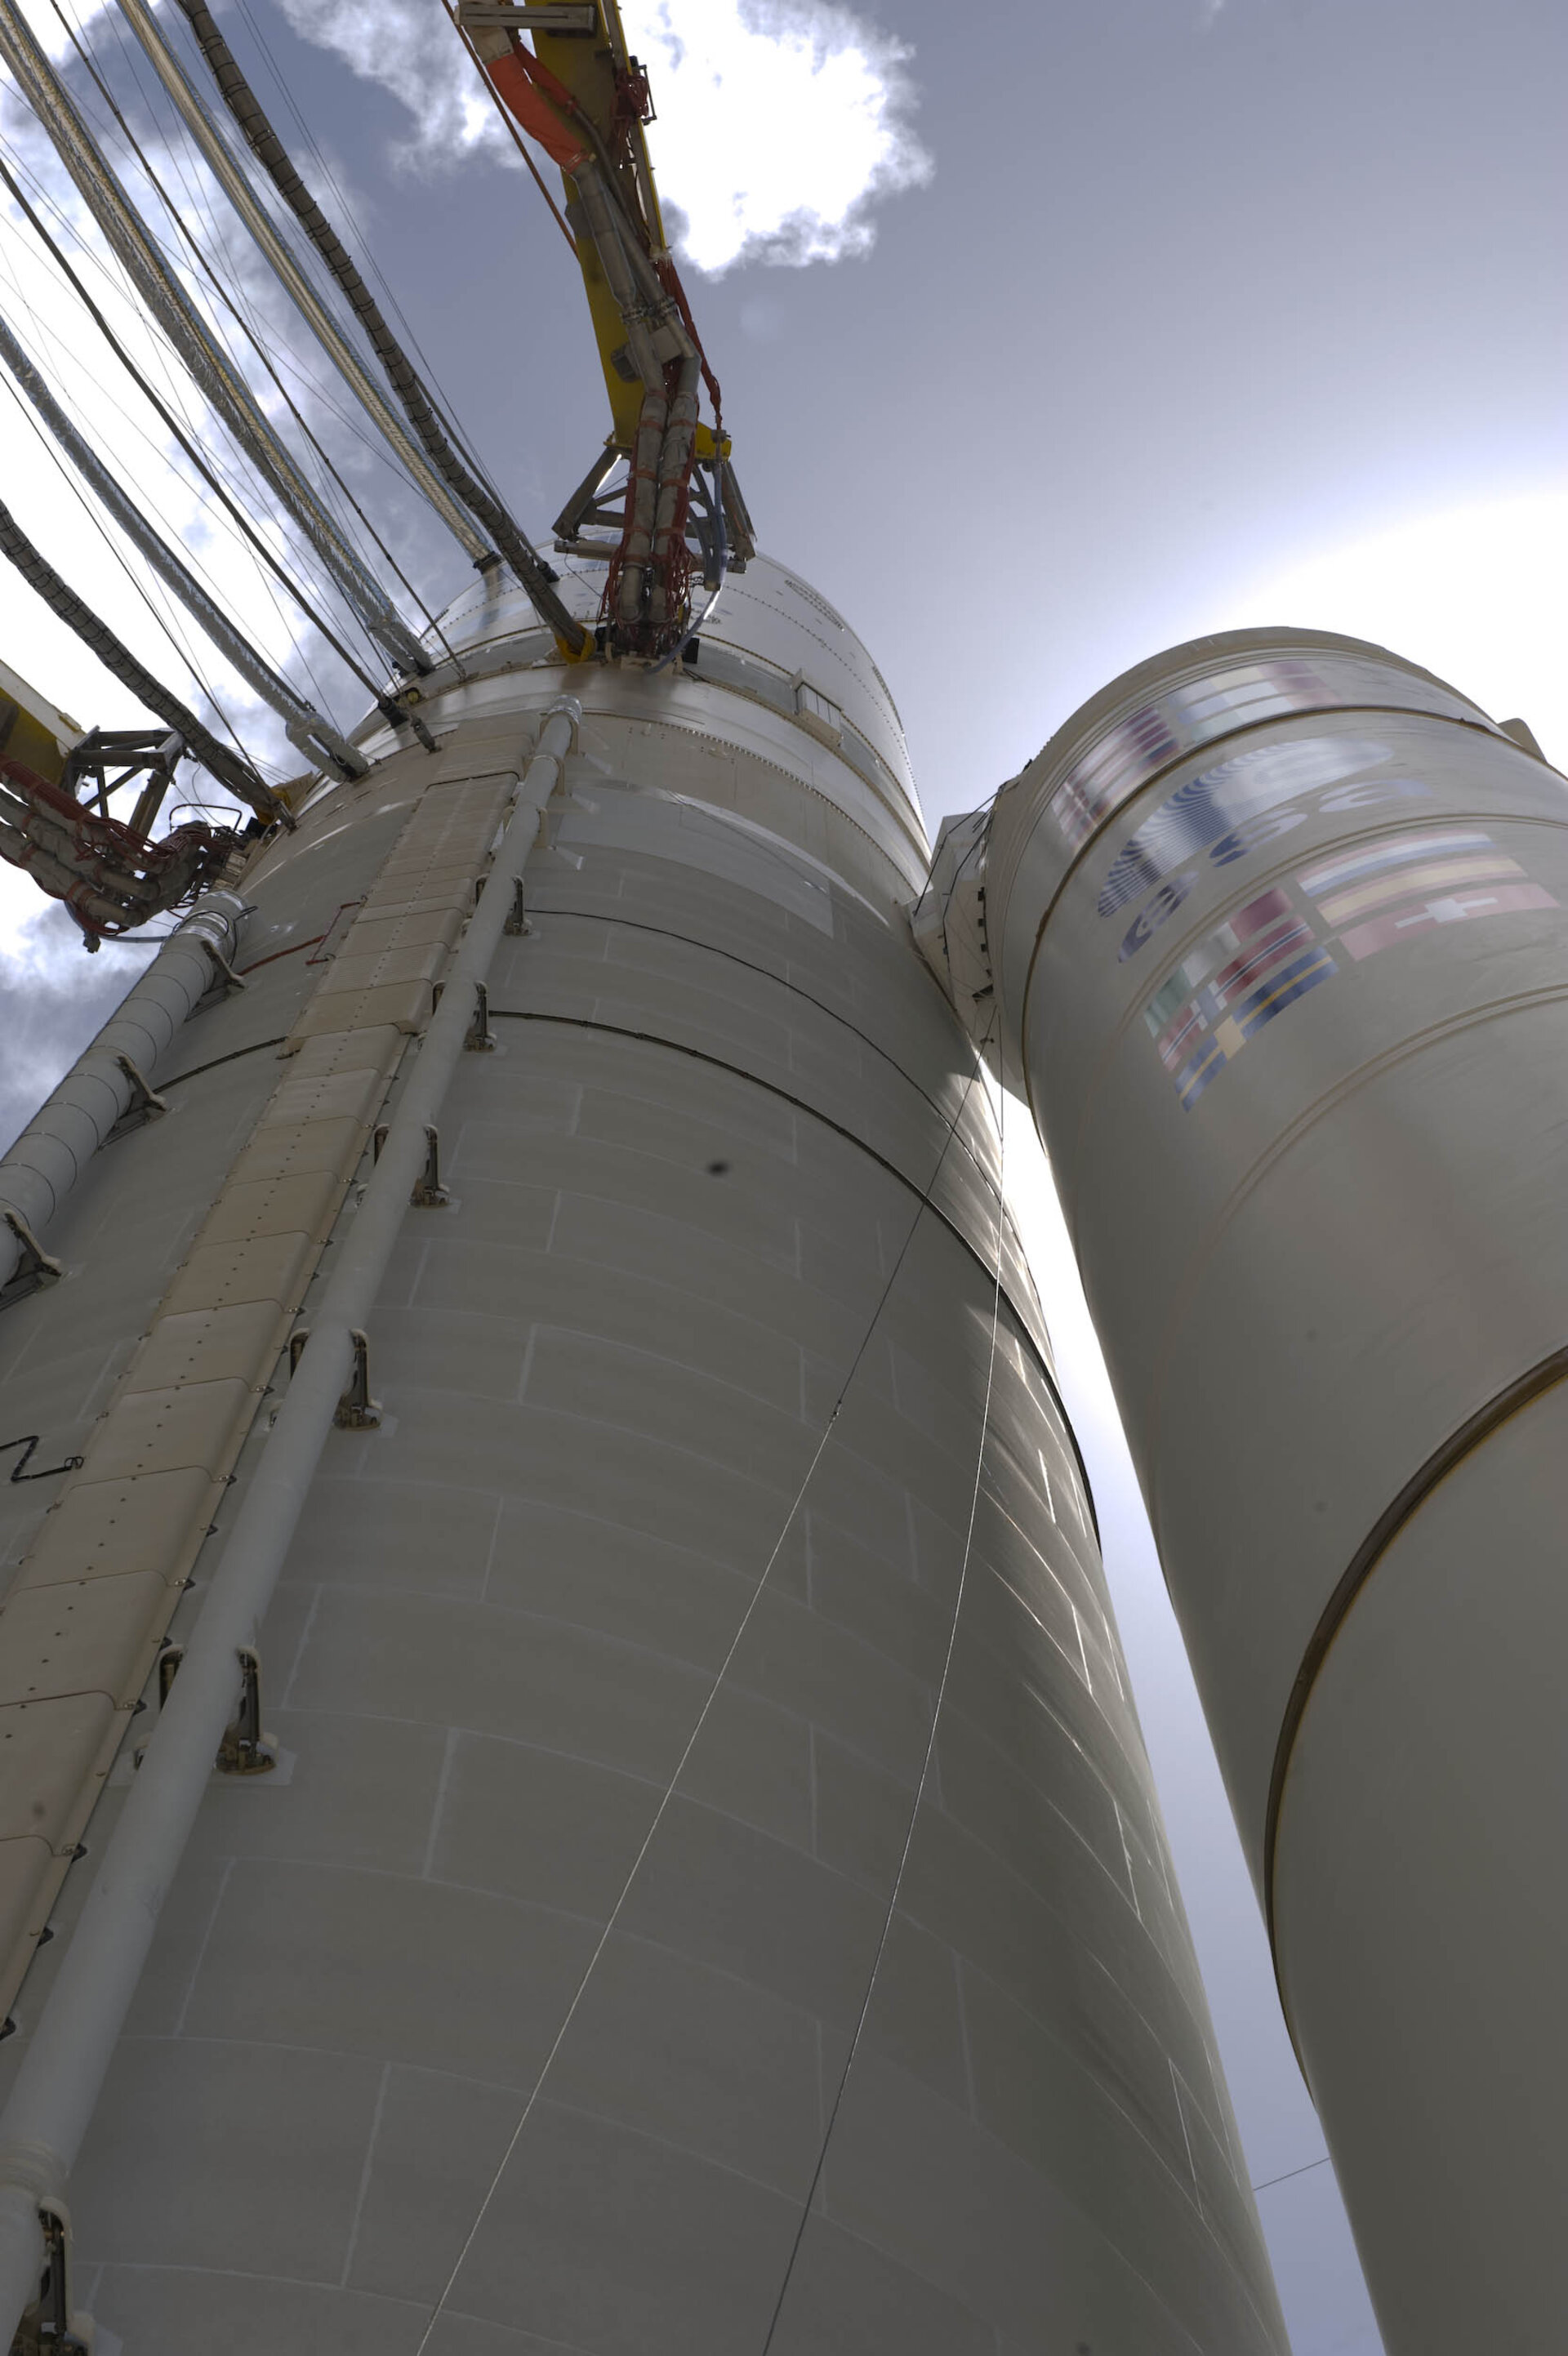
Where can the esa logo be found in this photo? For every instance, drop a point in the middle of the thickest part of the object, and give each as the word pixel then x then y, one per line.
pixel 1250 833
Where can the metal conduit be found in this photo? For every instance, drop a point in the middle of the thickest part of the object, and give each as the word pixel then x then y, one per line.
pixel 61 2074
pixel 40 1170
pixel 209 365
pixel 535 575
pixel 313 735
pixel 235 186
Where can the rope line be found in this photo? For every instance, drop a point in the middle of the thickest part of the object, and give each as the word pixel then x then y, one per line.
pixel 1269 2181
pixel 669 1790
pixel 925 1775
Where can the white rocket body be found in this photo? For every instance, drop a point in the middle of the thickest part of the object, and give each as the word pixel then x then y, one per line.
pixel 1277 929
pixel 607 1825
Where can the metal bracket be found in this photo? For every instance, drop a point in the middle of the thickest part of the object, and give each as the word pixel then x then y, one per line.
pixel 356 1410
pixel 332 940
pixel 28 1443
pixel 429 1194
pixel 599 498
pixel 34 1269
pixel 480 1039
pixel 169 1658
pixel 517 922
pixel 556 17
pixel 245 1749
pixel 48 2327
pixel 145 1102
pixel 597 507
pixel 225 980
pixel 130 753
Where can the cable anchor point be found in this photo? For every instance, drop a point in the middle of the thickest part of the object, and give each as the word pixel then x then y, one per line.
pixel 145 1104
pixel 34 1267
pixel 356 1409
pixel 48 2327
pixel 480 1039
pixel 429 1194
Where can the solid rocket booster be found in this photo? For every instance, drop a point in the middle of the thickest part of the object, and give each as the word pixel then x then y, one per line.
pixel 1278 928
pixel 612 1961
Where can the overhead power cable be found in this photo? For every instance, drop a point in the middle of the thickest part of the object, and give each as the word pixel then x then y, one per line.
pixel 235 186
pixel 228 768
pixel 372 267
pixel 313 737
pixel 210 365
pixel 138 578
pixel 394 713
pixel 537 577
pixel 247 325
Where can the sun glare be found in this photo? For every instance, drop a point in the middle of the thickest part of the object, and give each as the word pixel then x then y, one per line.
pixel 1478 594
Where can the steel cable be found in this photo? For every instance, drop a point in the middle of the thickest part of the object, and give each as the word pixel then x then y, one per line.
pixel 45 333
pixel 536 577
pixel 210 364
pixel 372 267
pixel 669 1791
pixel 228 768
pixel 231 298
pixel 306 728
pixel 865 2013
pixel 163 614
pixel 389 711
pixel 196 130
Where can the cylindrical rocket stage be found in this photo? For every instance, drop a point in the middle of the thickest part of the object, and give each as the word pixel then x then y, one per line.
pixel 711 1900
pixel 1280 934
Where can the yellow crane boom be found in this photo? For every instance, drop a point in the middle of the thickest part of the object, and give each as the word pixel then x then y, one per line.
pixel 583 98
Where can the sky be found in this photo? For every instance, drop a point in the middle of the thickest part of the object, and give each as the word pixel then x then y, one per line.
pixel 1050 335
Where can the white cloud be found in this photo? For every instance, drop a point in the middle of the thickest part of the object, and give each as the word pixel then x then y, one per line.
pixel 407 48
pixel 779 127
pixel 781 122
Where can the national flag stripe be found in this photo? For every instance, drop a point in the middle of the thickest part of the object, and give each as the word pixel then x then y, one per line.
pixel 1267 954
pixel 1206 1066
pixel 1462 907
pixel 1437 875
pixel 1333 874
pixel 1244 971
pixel 1283 990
